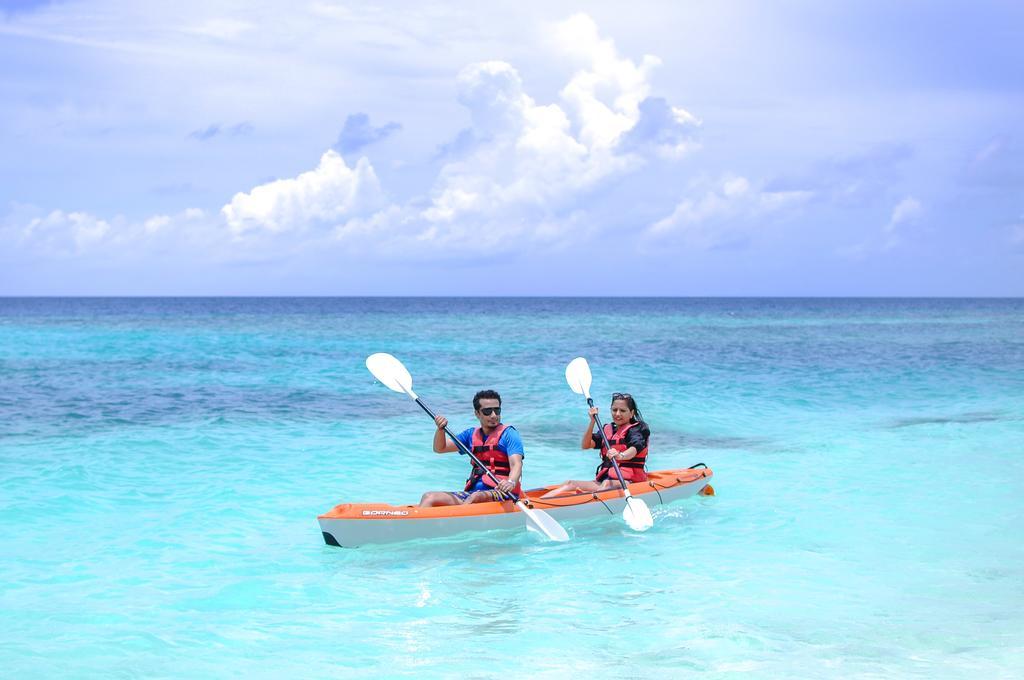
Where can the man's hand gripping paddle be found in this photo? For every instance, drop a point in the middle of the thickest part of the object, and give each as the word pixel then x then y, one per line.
pixel 636 513
pixel 390 371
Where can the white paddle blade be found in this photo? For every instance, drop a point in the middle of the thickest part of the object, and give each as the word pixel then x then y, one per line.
pixel 577 374
pixel 637 514
pixel 390 372
pixel 538 520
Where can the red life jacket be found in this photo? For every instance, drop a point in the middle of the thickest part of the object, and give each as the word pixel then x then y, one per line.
pixel 494 456
pixel 632 469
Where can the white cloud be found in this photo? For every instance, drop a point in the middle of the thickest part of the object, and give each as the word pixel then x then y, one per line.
pixel 531 162
pixel 59 234
pixel 721 213
pixel 156 223
pixel 67 232
pixel 777 200
pixel 222 29
pixel 907 210
pixel 526 146
pixel 735 186
pixel 383 230
pixel 606 95
pixel 330 192
pixel 527 158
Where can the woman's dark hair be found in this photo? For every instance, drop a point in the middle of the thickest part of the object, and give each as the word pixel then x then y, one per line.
pixel 631 403
pixel 485 394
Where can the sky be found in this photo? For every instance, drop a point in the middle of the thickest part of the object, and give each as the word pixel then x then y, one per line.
pixel 317 147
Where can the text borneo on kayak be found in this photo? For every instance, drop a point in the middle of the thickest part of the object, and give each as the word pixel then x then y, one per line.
pixel 492 497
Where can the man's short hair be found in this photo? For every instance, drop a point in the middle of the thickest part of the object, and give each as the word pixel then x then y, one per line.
pixel 485 394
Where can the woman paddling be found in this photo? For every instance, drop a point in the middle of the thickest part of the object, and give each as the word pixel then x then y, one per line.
pixel 627 434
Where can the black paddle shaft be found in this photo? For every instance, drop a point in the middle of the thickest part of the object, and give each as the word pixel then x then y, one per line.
pixel 604 438
pixel 464 450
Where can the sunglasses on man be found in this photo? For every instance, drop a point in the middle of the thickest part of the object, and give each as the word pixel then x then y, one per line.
pixel 491 410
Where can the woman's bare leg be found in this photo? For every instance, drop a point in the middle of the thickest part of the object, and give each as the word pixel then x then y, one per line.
pixel 574 486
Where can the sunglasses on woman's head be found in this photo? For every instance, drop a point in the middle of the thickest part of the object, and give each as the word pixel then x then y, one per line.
pixel 621 395
pixel 490 410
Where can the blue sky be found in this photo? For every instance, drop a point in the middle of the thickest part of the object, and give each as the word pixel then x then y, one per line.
pixel 600 148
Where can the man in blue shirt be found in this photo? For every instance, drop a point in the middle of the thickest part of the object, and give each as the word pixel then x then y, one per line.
pixel 498 446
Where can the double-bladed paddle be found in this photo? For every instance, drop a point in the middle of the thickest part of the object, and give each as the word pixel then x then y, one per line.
pixel 636 513
pixel 393 374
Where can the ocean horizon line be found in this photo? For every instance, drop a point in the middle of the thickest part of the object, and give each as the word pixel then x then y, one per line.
pixel 510 297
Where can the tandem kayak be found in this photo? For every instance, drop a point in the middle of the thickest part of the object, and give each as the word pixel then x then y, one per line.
pixel 351 525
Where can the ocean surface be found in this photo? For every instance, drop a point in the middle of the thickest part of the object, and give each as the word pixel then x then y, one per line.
pixel 163 462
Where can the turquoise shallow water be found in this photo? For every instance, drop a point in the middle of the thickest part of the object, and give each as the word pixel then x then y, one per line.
pixel 162 464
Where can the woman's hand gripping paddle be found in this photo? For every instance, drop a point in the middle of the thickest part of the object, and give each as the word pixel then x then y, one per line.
pixel 390 371
pixel 636 513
